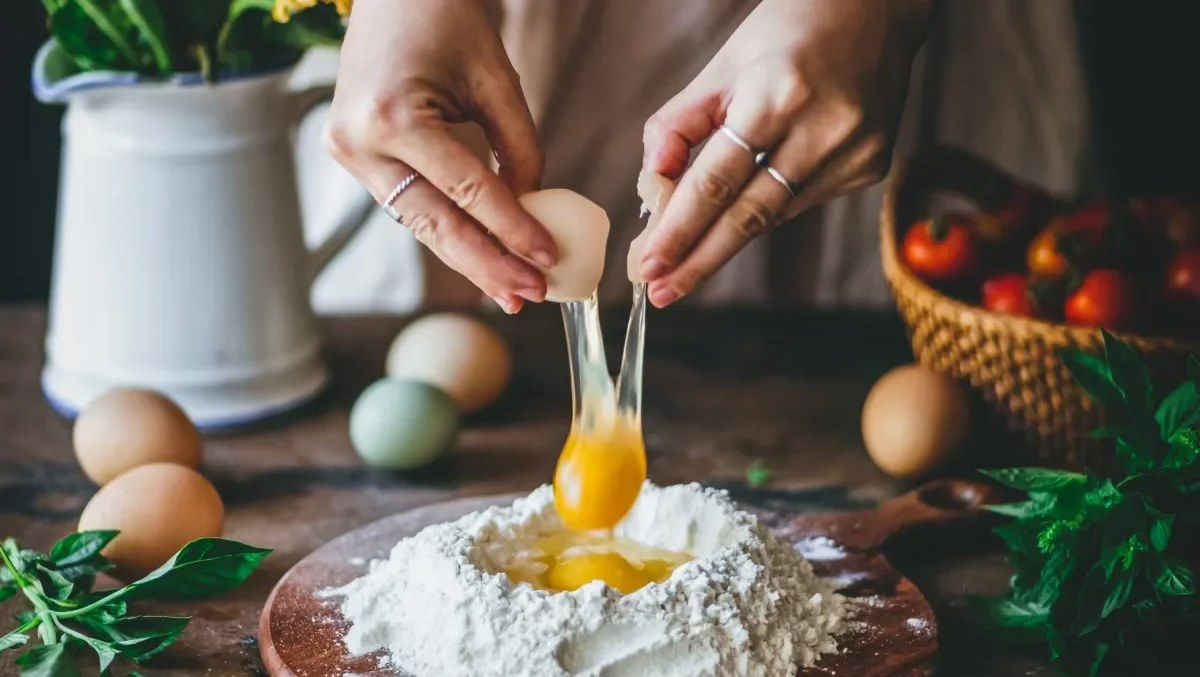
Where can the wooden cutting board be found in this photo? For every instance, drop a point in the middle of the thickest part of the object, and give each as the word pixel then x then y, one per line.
pixel 895 631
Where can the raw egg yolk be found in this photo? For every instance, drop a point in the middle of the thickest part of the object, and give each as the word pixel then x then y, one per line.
pixel 611 568
pixel 599 476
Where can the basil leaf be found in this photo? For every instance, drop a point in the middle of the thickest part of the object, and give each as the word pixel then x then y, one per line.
pixel 1180 409
pixel 1102 649
pixel 1092 374
pixel 48 660
pixel 1175 578
pixel 1003 613
pixel 140 638
pixel 1183 451
pixel 1160 532
pixel 1128 374
pixel 1035 479
pixel 7 590
pixel 1122 585
pixel 80 547
pixel 11 640
pixel 106 653
pixel 204 567
pixel 61 588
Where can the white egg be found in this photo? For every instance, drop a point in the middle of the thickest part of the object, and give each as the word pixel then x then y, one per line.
pixel 464 357
pixel 580 229
pixel 655 191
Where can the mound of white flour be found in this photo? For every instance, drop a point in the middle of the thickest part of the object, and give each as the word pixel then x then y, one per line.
pixel 746 605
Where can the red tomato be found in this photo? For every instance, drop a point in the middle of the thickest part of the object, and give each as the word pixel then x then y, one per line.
pixel 1084 231
pixel 1009 294
pixel 943 249
pixel 1107 298
pixel 1183 277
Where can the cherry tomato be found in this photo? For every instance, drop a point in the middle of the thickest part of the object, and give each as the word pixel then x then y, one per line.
pixel 1009 294
pixel 1017 213
pixel 1074 239
pixel 1182 282
pixel 942 249
pixel 1107 298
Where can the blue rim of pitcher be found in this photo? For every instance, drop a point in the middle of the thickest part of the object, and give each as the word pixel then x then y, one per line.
pixel 57 91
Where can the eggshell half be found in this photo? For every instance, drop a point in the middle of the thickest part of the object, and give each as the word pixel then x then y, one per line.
pixel 655 191
pixel 580 229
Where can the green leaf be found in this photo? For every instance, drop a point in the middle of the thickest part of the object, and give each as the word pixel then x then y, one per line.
pixel 48 660
pixel 80 547
pixel 60 587
pixel 758 474
pixel 204 567
pixel 1175 578
pixel 1128 373
pixel 7 590
pixel 140 638
pixel 1122 585
pixel 1160 532
pixel 148 20
pixel 1183 451
pixel 106 653
pixel 1180 409
pixel 113 24
pixel 1004 613
pixel 11 640
pixel 1092 374
pixel 1035 479
pixel 1101 652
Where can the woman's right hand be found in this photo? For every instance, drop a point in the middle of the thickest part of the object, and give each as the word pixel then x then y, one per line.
pixel 408 71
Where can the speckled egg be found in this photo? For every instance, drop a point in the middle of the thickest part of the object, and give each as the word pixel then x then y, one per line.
pixel 459 354
pixel 158 508
pixel 402 424
pixel 128 427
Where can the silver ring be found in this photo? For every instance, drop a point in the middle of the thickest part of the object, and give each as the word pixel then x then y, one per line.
pixel 392 196
pixel 793 189
pixel 736 138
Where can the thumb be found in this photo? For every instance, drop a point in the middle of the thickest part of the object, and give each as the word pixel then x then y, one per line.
pixel 509 127
pixel 681 124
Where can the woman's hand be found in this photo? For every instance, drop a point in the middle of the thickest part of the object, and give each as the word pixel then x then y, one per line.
pixel 408 70
pixel 818 85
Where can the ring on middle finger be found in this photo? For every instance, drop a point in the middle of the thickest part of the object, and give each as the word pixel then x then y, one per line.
pixel 792 187
pixel 402 186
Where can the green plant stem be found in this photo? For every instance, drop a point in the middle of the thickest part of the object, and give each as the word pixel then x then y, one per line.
pixel 107 599
pixel 18 577
pixel 46 628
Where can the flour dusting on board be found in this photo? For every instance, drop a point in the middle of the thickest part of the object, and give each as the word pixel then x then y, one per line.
pixel 746 605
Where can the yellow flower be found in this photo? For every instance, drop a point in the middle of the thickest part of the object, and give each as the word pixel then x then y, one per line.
pixel 284 9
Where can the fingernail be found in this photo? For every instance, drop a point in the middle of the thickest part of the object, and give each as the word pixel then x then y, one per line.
pixel 506 305
pixel 532 294
pixel 663 297
pixel 542 258
pixel 655 268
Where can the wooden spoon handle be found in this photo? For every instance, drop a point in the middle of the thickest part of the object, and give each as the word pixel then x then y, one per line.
pixel 937 504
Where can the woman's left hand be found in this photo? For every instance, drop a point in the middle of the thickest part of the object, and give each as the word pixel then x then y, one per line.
pixel 818 86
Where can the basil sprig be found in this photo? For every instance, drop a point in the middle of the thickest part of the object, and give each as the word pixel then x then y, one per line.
pixel 67 615
pixel 1105 568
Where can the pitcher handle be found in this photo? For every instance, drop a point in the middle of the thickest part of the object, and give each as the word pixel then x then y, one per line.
pixel 352 219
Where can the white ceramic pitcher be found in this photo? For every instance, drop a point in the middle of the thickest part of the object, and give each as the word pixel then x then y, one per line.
pixel 179 263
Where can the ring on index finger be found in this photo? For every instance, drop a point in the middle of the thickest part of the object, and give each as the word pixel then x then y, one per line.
pixel 792 187
pixel 395 194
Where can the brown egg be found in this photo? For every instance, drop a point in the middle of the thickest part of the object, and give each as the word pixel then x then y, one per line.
pixel 914 420
pixel 464 357
pixel 128 427
pixel 158 508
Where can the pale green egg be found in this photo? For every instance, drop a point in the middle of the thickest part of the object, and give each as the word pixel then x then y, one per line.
pixel 402 424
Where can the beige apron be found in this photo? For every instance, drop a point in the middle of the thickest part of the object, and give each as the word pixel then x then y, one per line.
pixel 1001 77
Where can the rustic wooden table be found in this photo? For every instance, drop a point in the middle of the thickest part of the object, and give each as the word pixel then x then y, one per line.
pixel 722 390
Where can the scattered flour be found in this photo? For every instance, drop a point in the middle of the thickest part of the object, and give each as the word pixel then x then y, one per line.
pixel 820 549
pixel 746 605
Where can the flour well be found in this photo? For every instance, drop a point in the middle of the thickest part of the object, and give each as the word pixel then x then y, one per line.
pixel 746 605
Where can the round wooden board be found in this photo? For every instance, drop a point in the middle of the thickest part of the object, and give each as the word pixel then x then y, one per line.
pixel 300 632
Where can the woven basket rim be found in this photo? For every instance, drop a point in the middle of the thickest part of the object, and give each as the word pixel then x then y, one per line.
pixel 902 280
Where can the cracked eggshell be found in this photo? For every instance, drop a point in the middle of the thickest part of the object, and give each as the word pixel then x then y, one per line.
pixel 655 191
pixel 580 229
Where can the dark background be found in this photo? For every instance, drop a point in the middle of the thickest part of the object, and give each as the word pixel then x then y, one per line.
pixel 1143 69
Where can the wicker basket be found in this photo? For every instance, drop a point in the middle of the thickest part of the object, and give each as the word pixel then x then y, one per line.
pixel 1011 362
